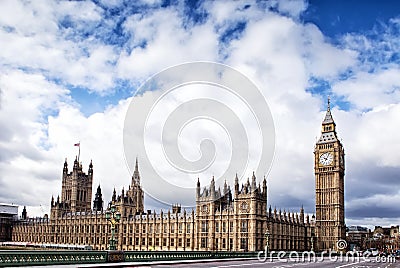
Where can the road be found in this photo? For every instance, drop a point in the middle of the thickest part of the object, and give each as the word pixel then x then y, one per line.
pixel 327 263
pixel 284 263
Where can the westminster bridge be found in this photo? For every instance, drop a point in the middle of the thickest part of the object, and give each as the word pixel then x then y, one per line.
pixel 10 258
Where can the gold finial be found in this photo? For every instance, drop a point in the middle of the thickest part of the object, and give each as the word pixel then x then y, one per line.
pixel 329 103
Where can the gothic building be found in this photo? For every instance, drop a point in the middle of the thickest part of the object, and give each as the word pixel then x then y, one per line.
pixel 239 221
pixel 329 186
pixel 224 219
pixel 130 202
pixel 76 192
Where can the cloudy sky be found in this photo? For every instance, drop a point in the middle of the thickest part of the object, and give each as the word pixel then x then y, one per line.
pixel 69 70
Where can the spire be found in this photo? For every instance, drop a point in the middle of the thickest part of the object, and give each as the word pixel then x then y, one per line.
pixel 198 188
pixel 328 127
pixel 136 175
pixel 90 171
pixel 65 170
pixel 225 187
pixel 236 185
pixel 24 214
pixel 114 196
pixel 328 116
pixel 98 200
pixel 253 182
pixel 212 188
pixel 329 103
pixel 302 214
pixel 76 164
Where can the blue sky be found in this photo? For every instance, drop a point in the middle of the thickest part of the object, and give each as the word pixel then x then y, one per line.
pixel 334 20
pixel 70 69
pixel 341 17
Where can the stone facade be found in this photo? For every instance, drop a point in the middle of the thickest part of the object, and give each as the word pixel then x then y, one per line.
pixel 223 220
pixel 76 192
pixel 239 221
pixel 329 186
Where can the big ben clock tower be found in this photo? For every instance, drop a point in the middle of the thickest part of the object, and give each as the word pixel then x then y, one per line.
pixel 329 186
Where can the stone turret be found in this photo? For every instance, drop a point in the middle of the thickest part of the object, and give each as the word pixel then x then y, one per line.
pixel 130 202
pixel 98 200
pixel 198 188
pixel 236 185
pixel 24 214
pixel 253 182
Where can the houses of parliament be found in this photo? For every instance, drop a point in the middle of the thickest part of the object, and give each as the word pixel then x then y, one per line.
pixel 227 219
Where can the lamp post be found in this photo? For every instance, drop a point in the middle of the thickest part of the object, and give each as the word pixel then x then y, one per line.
pixel 312 243
pixel 113 216
pixel 267 235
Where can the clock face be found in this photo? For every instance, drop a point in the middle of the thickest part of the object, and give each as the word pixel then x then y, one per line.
pixel 326 159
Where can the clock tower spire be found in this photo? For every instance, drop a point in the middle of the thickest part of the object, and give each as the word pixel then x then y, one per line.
pixel 329 186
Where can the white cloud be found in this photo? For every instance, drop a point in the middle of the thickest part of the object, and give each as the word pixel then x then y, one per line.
pixel 168 43
pixel 226 14
pixel 25 162
pixel 370 90
pixel 28 19
pixel 371 222
pixel 88 11
pixel 291 7
pixel 366 133
pixel 32 38
pixel 322 58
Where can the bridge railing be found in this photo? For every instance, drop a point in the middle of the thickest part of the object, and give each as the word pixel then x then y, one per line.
pixel 22 258
pixel 133 256
pixel 35 257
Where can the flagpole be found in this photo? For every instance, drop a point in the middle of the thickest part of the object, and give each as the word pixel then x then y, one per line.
pixel 79 150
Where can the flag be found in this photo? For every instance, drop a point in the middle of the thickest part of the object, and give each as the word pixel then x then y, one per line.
pixel 79 148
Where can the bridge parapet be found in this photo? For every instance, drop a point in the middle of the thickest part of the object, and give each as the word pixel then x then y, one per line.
pixel 43 257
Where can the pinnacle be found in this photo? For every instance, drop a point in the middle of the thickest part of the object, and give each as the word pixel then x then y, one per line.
pixel 328 116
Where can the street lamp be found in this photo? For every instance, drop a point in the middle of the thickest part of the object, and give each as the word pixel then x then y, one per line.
pixel 113 216
pixel 267 235
pixel 312 243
